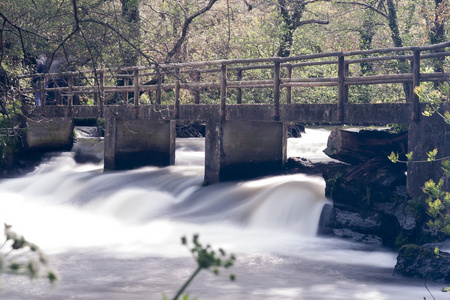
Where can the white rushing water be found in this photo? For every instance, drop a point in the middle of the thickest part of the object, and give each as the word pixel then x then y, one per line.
pixel 117 235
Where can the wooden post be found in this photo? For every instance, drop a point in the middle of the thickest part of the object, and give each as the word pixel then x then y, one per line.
pixel 341 89
pixel 276 90
pixel 19 96
pixel 239 90
pixel 411 85
pixel 177 94
pixel 158 85
pixel 346 72
pixel 416 82
pixel 101 92
pixel 42 86
pixel 197 91
pixel 289 89
pixel 126 82
pixel 70 93
pixel 136 92
pixel 223 92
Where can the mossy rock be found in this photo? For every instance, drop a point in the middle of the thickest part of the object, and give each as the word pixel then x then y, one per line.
pixel 423 262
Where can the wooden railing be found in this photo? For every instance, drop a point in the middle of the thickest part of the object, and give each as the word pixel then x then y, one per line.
pixel 197 76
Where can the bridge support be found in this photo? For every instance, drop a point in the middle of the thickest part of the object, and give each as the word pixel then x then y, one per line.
pixel 425 135
pixel 243 149
pixel 132 143
pixel 49 134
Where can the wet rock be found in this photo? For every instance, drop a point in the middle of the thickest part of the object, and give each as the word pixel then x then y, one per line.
pixel 295 129
pixel 326 168
pixel 355 221
pixel 403 215
pixel 369 204
pixel 422 262
pixel 371 182
pixel 186 129
pixel 88 150
pixel 327 220
pixel 357 236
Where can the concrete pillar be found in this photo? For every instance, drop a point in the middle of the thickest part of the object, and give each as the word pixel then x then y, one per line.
pixel 132 143
pixel 243 149
pixel 424 136
pixel 49 134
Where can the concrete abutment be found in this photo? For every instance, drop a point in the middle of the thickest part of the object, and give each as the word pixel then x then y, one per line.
pixel 427 134
pixel 134 143
pixel 48 134
pixel 243 149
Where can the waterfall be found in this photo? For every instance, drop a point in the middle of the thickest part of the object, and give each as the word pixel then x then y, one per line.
pixel 116 235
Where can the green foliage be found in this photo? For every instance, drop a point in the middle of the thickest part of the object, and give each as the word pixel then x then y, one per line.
pixel 399 128
pixel 438 209
pixel 20 257
pixel 431 155
pixel 402 239
pixel 433 99
pixel 446 167
pixel 206 259
pixel 393 157
pixel 409 156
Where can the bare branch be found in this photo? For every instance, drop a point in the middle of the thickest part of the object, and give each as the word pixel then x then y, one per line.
pixel 313 21
pixel 1 43
pixel 17 27
pixel 184 31
pixel 149 59
pixel 378 11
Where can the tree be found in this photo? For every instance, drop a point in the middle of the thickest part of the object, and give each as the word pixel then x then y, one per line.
pixel 290 14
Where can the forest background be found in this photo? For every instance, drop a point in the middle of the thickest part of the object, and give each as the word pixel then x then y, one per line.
pixel 88 34
pixel 93 34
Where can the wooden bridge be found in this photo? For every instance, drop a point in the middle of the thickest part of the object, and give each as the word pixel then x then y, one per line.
pixel 155 96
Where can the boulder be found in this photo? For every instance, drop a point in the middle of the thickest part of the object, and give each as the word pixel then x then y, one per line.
pixel 422 262
pixel 358 147
pixel 369 205
pixel 368 183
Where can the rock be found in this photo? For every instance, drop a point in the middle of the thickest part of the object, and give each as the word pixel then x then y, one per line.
pixel 372 182
pixel 186 129
pixel 295 129
pixel 88 150
pixel 355 221
pixel 369 205
pixel 422 262
pixel 303 165
pixel 358 147
pixel 404 216
pixel 358 237
pixel 327 220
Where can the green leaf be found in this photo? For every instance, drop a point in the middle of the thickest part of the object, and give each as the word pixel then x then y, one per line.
pixel 393 157
pixel 432 155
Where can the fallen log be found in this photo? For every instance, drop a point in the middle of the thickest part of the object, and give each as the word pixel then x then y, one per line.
pixel 358 147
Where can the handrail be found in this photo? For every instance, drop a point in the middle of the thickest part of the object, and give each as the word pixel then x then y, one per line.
pixel 135 82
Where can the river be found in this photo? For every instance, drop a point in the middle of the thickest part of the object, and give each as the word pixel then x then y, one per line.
pixel 116 235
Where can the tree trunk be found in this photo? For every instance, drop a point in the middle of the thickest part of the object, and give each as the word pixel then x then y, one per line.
pixel 398 42
pixel 357 147
pixel 437 35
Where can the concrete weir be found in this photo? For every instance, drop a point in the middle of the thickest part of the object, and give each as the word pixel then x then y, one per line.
pixel 49 134
pixel 137 143
pixel 243 149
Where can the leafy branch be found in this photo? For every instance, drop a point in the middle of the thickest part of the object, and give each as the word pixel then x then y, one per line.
pixel 20 257
pixel 206 258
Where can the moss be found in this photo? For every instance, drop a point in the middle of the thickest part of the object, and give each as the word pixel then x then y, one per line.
pixel 401 240
pixel 332 184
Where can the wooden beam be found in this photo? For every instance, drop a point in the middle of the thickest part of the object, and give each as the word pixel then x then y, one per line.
pixel 223 92
pixel 276 91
